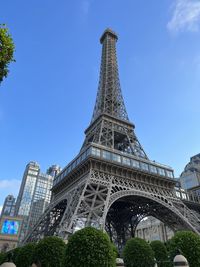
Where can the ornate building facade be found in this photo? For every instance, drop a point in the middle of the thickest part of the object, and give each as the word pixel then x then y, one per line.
pixel 190 177
pixel 153 229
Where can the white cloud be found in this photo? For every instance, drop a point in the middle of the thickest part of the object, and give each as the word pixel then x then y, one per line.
pixel 1 209
pixel 8 187
pixel 186 16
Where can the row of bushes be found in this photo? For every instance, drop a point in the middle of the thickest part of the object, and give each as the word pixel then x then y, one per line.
pixel 92 248
pixel 139 253
pixel 87 247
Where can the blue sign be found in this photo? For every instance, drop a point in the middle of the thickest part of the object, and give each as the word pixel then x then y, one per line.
pixel 10 227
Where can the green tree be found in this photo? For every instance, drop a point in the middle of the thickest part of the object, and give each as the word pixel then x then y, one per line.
pixel 189 245
pixel 138 253
pixel 115 251
pixel 160 253
pixel 7 49
pixel 50 252
pixel 25 256
pixel 89 247
pixel 2 257
pixel 10 255
pixel 13 254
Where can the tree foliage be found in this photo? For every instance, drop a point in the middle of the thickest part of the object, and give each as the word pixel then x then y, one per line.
pixel 13 254
pixel 115 251
pixel 7 49
pixel 160 253
pixel 2 257
pixel 25 256
pixel 189 245
pixel 9 255
pixel 138 253
pixel 50 252
pixel 89 247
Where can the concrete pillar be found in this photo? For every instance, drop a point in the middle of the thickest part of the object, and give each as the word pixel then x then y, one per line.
pixel 180 261
pixel 119 262
pixel 8 264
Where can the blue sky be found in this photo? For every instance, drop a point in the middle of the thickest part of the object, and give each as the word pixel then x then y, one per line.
pixel 47 101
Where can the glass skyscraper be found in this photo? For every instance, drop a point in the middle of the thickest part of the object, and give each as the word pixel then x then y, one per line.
pixel 41 198
pixel 8 206
pixel 25 196
pixel 34 195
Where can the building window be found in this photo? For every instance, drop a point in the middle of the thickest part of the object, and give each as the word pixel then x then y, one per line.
pixel 116 158
pixel 161 171
pixel 96 152
pixel 169 174
pixel 126 161
pixel 83 156
pixel 32 172
pixel 135 163
pixel 153 169
pixel 144 166
pixel 74 165
pixel 106 154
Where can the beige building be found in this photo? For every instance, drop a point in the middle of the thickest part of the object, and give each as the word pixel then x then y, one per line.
pixel 152 229
pixel 190 177
pixel 9 232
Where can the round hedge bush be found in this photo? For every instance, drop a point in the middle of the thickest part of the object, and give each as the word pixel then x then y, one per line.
pixel 2 257
pixel 138 253
pixel 25 256
pixel 50 252
pixel 189 245
pixel 89 247
pixel 160 253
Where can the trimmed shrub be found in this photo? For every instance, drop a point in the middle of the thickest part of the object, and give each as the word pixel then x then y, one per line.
pixel 50 252
pixel 90 247
pixel 25 256
pixel 10 255
pixel 13 254
pixel 138 253
pixel 189 245
pixel 160 253
pixel 115 251
pixel 2 257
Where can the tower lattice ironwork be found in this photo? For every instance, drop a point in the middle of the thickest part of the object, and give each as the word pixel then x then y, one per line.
pixel 111 184
pixel 110 125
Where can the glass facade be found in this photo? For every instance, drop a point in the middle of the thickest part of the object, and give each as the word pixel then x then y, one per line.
pixel 189 180
pixel 8 206
pixel 120 158
pixel 27 188
pixel 34 195
pixel 190 177
pixel 41 198
pixel 25 196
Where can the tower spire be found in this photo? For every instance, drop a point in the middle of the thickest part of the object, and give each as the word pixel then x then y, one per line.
pixel 109 97
pixel 110 126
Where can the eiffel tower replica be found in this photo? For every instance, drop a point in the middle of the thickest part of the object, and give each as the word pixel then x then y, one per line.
pixel 111 184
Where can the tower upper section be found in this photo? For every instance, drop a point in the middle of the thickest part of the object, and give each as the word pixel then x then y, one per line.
pixel 109 97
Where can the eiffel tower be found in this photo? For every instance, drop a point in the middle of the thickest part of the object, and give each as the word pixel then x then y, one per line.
pixel 112 184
